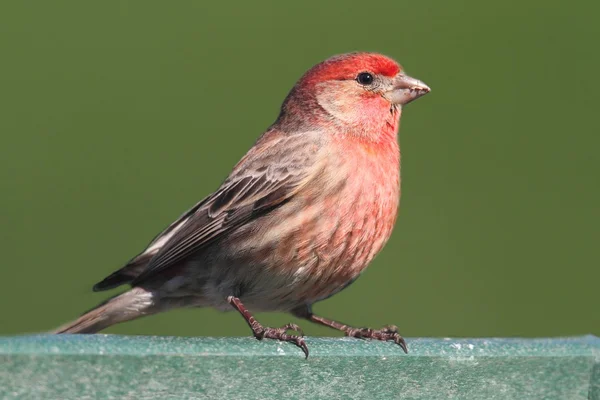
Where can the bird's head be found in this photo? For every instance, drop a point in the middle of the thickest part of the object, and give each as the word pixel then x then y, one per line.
pixel 363 92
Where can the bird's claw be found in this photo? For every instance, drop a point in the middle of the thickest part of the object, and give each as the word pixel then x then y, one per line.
pixel 389 332
pixel 281 334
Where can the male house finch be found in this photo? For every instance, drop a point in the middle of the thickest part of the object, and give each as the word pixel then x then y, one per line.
pixel 298 219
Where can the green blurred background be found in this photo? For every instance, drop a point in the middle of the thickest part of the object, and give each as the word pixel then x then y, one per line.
pixel 115 117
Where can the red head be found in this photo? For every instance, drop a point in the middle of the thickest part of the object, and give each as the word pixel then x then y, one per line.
pixel 347 66
pixel 359 93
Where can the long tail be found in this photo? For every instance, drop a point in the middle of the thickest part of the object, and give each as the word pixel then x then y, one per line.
pixel 132 304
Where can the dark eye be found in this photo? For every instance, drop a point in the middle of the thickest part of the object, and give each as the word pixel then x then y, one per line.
pixel 364 78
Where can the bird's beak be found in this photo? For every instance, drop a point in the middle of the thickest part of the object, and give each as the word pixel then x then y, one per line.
pixel 406 89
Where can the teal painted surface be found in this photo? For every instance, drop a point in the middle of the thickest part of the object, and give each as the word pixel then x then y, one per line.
pixel 137 367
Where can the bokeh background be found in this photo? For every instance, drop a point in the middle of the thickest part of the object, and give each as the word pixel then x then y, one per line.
pixel 117 116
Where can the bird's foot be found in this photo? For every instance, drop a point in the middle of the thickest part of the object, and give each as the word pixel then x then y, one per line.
pixel 282 334
pixel 260 332
pixel 389 332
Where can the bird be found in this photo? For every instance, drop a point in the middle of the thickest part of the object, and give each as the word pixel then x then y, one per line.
pixel 298 219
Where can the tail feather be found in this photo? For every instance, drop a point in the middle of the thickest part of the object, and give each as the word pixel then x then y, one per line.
pixel 132 304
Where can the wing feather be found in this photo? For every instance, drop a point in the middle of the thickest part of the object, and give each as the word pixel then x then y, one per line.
pixel 258 184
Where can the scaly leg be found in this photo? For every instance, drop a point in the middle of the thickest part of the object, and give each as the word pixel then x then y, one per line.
pixel 389 332
pixel 260 332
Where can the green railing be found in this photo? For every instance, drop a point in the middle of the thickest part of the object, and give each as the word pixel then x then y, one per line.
pixel 139 367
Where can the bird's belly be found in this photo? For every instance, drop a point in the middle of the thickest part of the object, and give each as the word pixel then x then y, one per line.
pixel 301 253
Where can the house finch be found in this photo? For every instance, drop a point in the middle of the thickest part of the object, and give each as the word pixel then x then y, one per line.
pixel 297 220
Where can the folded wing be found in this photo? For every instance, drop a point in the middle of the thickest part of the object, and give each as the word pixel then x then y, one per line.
pixel 271 173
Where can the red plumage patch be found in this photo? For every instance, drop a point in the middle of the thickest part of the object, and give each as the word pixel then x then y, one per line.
pixel 347 66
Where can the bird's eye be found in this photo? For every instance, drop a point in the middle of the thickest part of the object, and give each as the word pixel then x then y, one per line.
pixel 364 78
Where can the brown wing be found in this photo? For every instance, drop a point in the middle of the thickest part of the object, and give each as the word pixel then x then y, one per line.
pixel 137 264
pixel 271 173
